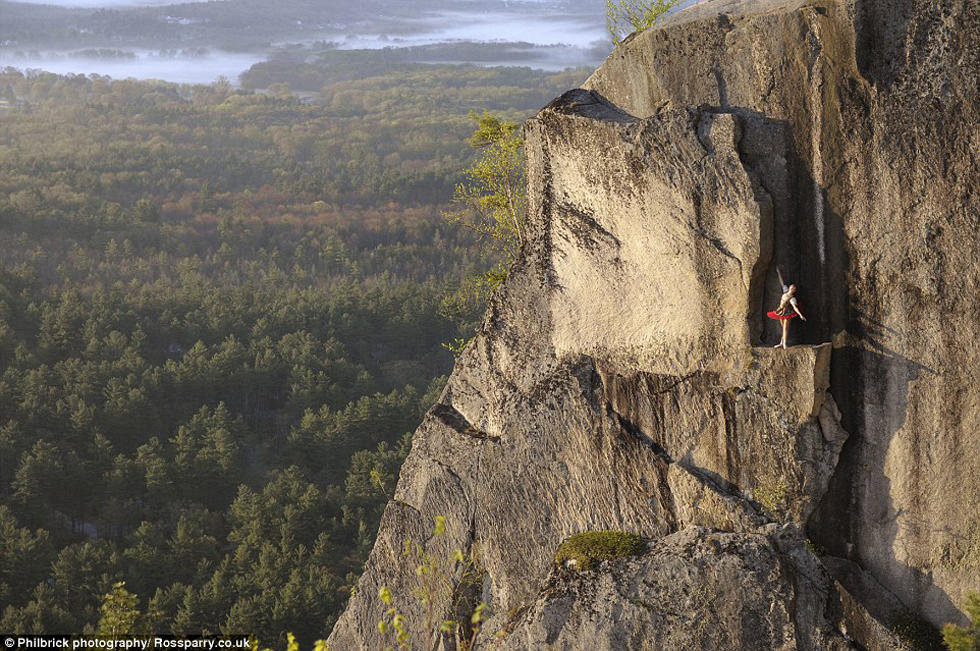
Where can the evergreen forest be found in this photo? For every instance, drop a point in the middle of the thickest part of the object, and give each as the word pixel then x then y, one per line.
pixel 222 313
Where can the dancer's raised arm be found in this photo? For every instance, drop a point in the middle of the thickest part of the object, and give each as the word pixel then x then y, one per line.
pixel 782 313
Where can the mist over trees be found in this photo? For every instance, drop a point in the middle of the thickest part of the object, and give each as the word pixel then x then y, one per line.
pixel 455 29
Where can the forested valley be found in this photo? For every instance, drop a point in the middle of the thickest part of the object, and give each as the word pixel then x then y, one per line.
pixel 222 312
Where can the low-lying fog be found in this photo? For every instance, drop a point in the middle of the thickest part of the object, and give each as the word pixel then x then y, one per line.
pixel 548 34
pixel 562 42
pixel 536 28
pixel 189 69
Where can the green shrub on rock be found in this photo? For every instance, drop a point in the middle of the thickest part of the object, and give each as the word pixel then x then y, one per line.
pixel 959 638
pixel 625 16
pixel 585 549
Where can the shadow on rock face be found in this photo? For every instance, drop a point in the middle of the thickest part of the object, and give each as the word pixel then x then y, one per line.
pixel 865 384
pixel 880 26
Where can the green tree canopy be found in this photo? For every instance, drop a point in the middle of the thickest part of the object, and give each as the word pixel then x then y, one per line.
pixel 965 638
pixel 493 198
pixel 623 17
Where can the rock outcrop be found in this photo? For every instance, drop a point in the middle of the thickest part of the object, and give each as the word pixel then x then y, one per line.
pixel 620 380
pixel 695 589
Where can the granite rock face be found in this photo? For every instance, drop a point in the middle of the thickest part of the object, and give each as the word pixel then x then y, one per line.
pixel 695 589
pixel 880 98
pixel 620 380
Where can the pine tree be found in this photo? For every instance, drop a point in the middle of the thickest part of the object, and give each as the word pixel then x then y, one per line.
pixel 120 613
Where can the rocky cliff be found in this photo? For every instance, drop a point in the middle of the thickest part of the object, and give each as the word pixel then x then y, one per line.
pixel 621 380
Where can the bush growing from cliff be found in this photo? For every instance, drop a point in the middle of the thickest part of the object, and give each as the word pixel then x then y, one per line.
pixel 624 17
pixel 588 548
pixel 959 638
pixel 491 201
pixel 455 579
pixel 291 644
pixel 772 494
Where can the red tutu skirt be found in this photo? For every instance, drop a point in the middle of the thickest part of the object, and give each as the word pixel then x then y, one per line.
pixel 781 317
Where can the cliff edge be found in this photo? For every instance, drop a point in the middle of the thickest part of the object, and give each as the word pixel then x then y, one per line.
pixel 621 380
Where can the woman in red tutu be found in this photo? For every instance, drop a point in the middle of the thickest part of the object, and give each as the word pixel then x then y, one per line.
pixel 787 310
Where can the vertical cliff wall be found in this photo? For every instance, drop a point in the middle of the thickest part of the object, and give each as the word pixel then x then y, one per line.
pixel 621 382
pixel 880 99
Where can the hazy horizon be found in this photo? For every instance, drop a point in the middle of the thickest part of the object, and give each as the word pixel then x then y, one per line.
pixel 200 42
pixel 102 4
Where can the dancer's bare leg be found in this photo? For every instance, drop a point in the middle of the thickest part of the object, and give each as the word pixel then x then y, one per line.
pixel 785 333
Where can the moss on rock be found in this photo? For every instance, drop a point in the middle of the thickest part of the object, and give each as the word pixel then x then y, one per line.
pixel 586 549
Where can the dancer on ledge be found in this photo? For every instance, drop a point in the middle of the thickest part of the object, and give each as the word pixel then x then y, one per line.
pixel 784 313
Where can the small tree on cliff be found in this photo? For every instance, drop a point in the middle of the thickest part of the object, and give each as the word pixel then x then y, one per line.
pixel 958 638
pixel 455 580
pixel 492 200
pixel 623 17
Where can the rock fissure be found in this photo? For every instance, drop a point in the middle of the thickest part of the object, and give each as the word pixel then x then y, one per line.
pixel 450 417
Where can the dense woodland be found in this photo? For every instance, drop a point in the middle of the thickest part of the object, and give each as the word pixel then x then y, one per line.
pixel 221 315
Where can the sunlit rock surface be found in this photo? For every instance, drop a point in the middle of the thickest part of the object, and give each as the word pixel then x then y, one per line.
pixel 695 589
pixel 623 380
